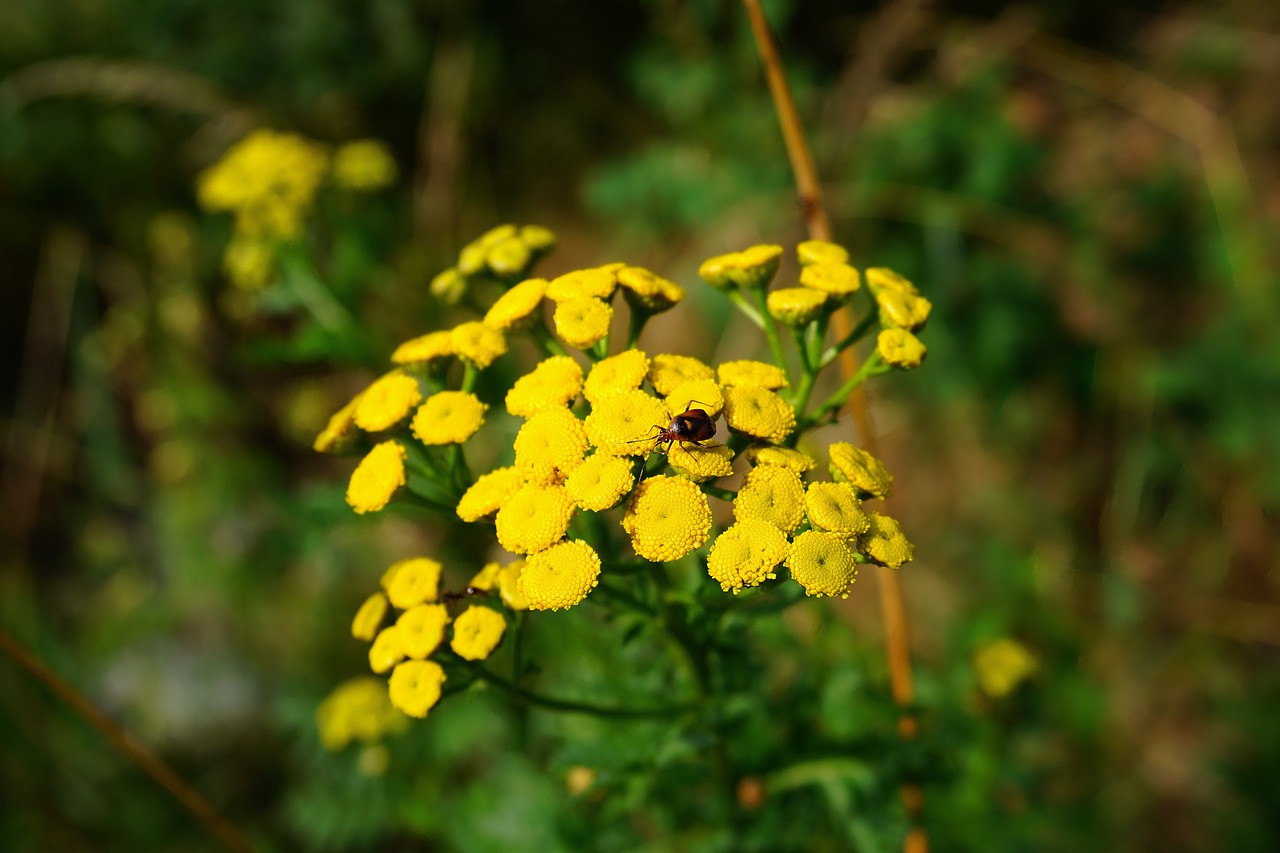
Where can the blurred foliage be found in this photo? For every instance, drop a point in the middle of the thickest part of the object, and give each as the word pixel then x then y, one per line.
pixel 1088 194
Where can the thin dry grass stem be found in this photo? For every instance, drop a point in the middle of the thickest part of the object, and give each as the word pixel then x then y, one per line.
pixel 441 152
pixel 188 797
pixel 898 648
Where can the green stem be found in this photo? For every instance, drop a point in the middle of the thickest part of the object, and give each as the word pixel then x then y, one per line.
pixel 635 326
pixel 873 366
pixel 736 297
pixel 622 596
pixel 549 345
pixel 853 337
pixel 568 707
pixel 470 374
pixel 717 492
pixel 770 329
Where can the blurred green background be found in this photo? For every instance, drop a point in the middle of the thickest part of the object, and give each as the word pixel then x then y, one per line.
pixel 1089 462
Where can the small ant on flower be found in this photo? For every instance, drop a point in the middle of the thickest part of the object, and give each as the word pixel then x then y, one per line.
pixel 692 426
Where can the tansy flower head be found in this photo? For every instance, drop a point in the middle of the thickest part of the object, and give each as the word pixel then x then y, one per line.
pixel 250 264
pixel 363 165
pixel 413 581
pixel 377 477
pixel 821 252
pixel 486 578
pixel 1002 665
pixel 696 394
pixel 554 383
pixel 668 372
pixel 795 306
pixel 550 445
pixel 473 256
pixel 450 417
pixel 748 269
pixel 701 463
pixel 900 348
pixel 902 309
pixel 560 576
pixel 387 401
pixel 424 348
pixel 268 179
pixel 359 709
pixel 884 542
pixel 624 418
pixel 836 279
pixel 415 686
pixel 647 292
pixel 422 629
pixel 387 649
pixel 883 278
pixel 583 322
pixel 615 374
pixel 600 482
pixel 535 518
pixel 509 585
pixel 758 412
pixel 539 239
pixel 784 456
pixel 671 518
pixel 449 286
pixel 835 507
pixel 746 372
pixel 477 632
pixel 509 257
pixel 860 469
pixel 369 617
pixel 340 431
pixel 773 494
pixel 478 343
pixel 489 493
pixel 596 283
pixel 515 307
pixel 822 563
pixel 746 554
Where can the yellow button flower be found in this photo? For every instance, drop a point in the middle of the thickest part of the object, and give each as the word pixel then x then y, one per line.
pixel 584 322
pixel 554 383
pixel 799 462
pixel 450 417
pixel 550 445
pixel 883 278
pixel 624 423
pixel 701 463
pixel 900 348
pixel 746 372
pixel 669 519
pixel 536 517
pixel 860 469
pixel 387 649
pixel 902 309
pixel 835 507
pixel 750 268
pixel 647 292
pixel 268 180
pixel 596 283
pixel 477 343
pixel 746 554
pixel 758 412
pixel 377 477
pixel 538 238
pixel 422 629
pixel 601 482
pixel 822 563
pixel 487 578
pixel 424 348
pixel 836 279
pixel 560 576
pixel 489 493
pixel 387 401
pixel 473 256
pixel 369 617
pixel 1002 665
pixel 250 264
pixel 702 394
pixel 669 371
pixel 340 431
pixel 509 585
pixel 358 709
pixel 449 286
pixel 477 632
pixel 415 686
pixel 795 306
pixel 615 374
pixel 884 542
pixel 363 165
pixel 821 252
pixel 773 494
pixel 518 305
pixel 508 258
pixel 411 582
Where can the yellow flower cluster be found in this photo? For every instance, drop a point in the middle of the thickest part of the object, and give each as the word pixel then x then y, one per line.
pixel 268 180
pixel 625 371
pixel 1002 665
pixel 550 445
pixel 359 709
pixel 363 165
